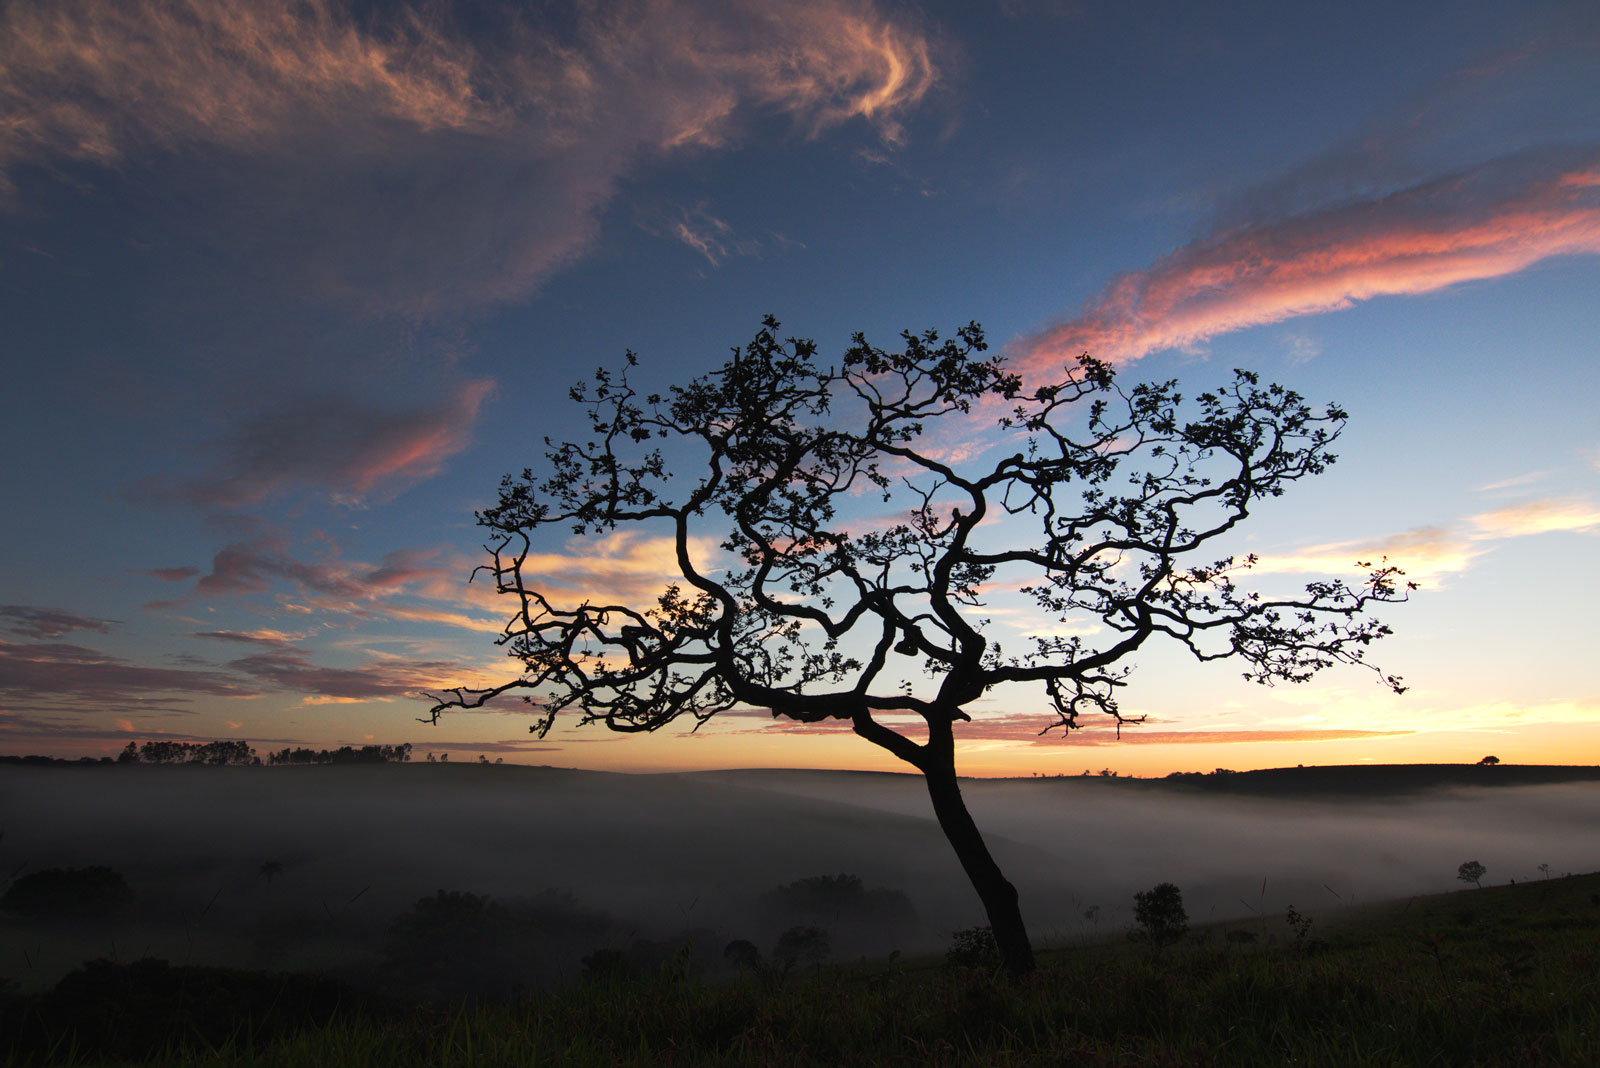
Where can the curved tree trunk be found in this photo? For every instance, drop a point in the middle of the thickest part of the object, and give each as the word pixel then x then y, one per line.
pixel 994 889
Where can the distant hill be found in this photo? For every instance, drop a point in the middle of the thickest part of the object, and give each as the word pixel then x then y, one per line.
pixel 1380 779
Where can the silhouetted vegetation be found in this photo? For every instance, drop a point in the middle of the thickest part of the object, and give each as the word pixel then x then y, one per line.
pixel 1117 498
pixel 215 754
pixel 367 754
pixel 802 946
pixel 1472 872
pixel 972 948
pixel 1160 914
pixel 1506 983
pixel 459 942
pixel 68 894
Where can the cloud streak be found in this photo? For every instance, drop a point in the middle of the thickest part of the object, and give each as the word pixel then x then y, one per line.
pixel 438 158
pixel 1480 223
pixel 341 445
pixel 44 624
pixel 62 670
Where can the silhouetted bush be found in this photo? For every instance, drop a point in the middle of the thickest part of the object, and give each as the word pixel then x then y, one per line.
pixel 1160 915
pixel 605 966
pixel 68 894
pixel 802 946
pixel 742 954
pixel 459 943
pixel 973 948
pixel 878 918
pixel 147 1008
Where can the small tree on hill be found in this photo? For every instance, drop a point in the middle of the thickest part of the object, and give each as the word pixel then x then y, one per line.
pixel 1472 872
pixel 1160 914
pixel 1102 504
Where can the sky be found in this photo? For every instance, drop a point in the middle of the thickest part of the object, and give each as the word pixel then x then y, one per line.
pixel 285 289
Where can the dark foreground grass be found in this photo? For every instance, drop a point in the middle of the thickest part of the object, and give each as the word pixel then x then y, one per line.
pixel 1500 976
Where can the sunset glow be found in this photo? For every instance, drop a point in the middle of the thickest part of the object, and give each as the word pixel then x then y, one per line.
pixel 287 289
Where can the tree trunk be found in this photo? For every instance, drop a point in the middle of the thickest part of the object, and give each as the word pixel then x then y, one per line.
pixel 994 889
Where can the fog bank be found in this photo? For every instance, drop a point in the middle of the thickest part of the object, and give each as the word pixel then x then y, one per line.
pixel 351 848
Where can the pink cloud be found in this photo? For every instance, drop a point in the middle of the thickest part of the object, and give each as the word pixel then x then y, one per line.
pixel 508 131
pixel 46 623
pixel 341 445
pixel 75 672
pixel 290 669
pixel 1486 222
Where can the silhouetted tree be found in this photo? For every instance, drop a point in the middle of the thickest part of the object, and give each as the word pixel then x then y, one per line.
pixel 1109 500
pixel 1472 872
pixel 742 954
pixel 802 945
pixel 1489 761
pixel 1159 912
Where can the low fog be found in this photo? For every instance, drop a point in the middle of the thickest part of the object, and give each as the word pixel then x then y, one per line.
pixel 317 867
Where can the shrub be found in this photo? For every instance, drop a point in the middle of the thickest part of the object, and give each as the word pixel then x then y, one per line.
pixel 1159 912
pixel 802 945
pixel 742 954
pixel 973 948
pixel 68 894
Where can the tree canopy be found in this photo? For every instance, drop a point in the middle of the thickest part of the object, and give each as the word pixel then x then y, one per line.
pixel 1101 503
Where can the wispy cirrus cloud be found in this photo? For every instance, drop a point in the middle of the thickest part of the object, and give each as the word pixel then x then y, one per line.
pixel 1543 516
pixel 1480 223
pixel 346 447
pixel 1435 552
pixel 46 623
pixel 470 150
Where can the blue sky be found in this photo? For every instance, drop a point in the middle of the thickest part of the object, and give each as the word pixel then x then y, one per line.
pixel 285 293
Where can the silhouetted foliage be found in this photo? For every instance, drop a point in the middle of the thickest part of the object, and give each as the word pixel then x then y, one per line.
pixel 456 942
pixel 34 760
pixel 1298 922
pixel 608 965
pixel 840 898
pixel 1472 872
pixel 973 948
pixel 1489 761
pixel 802 946
pixel 743 955
pixel 1160 914
pixel 141 1011
pixel 367 754
pixel 216 754
pixel 1112 498
pixel 68 894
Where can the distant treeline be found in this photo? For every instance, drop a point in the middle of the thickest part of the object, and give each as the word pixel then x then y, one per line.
pixel 227 754
pixel 367 754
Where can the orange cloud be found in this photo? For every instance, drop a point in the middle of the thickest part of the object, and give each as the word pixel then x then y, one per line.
pixel 1426 553
pixel 1483 223
pixel 626 567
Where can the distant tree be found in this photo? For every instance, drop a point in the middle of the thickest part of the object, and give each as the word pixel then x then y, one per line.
pixel 742 954
pixel 1109 503
pixel 802 946
pixel 1472 872
pixel 1489 761
pixel 1160 914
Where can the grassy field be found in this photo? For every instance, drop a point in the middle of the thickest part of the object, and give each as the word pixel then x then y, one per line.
pixel 1497 976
